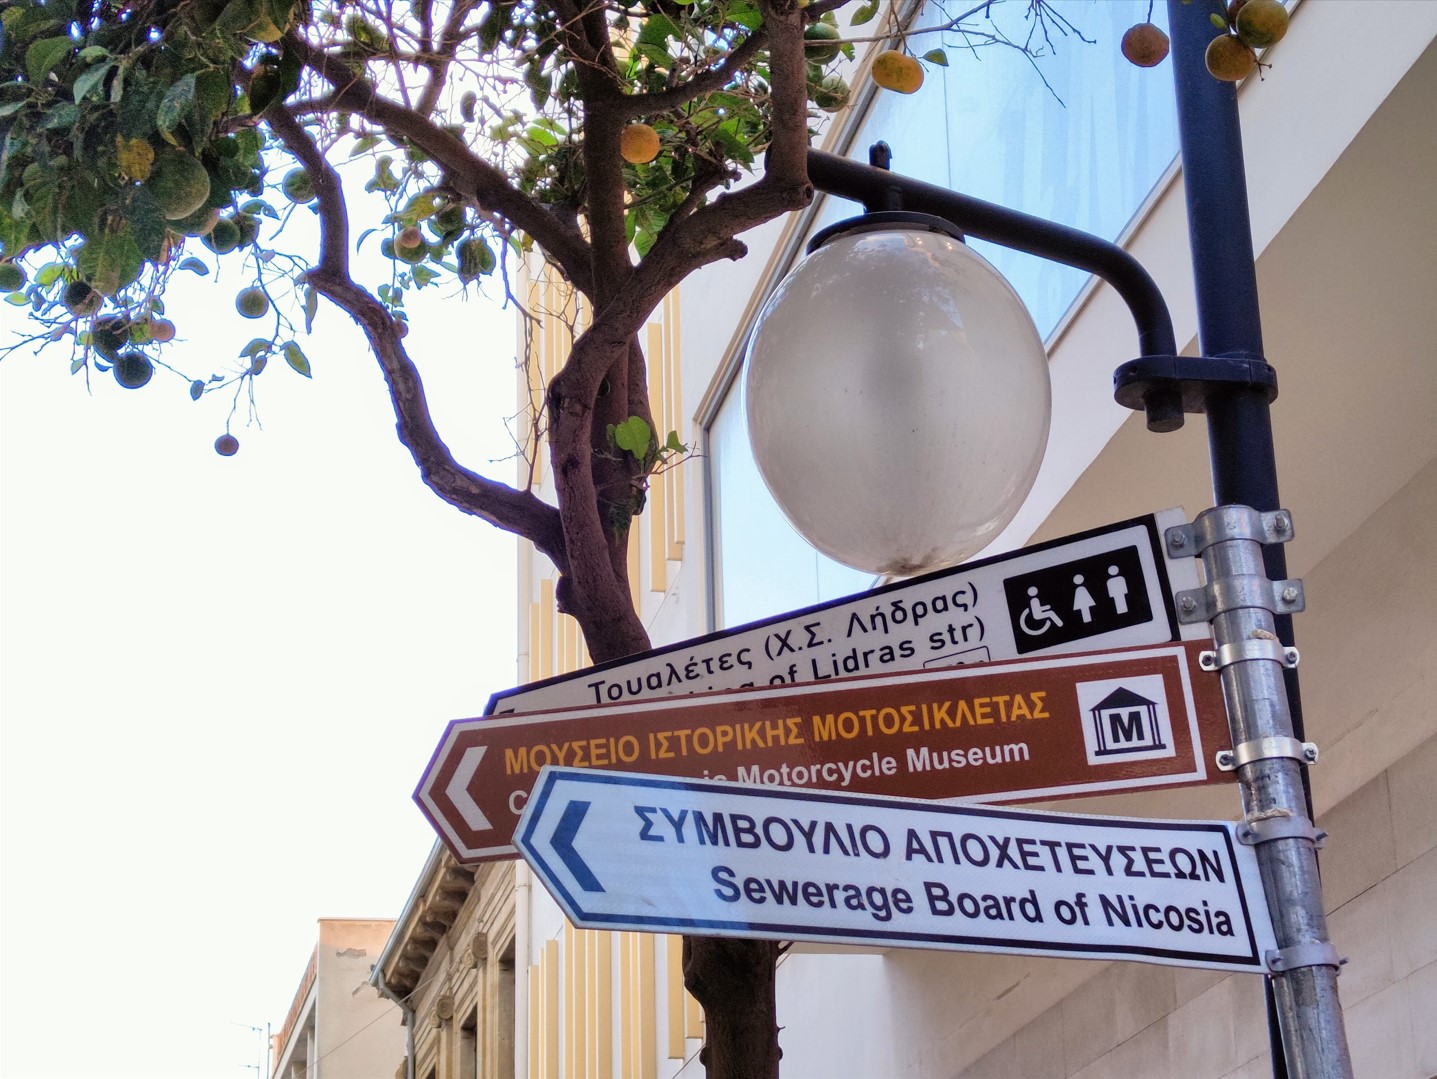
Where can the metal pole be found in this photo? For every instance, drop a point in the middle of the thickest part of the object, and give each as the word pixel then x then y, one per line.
pixel 1263 705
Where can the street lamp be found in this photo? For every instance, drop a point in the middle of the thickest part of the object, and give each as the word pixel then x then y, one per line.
pixel 897 395
pixel 1246 599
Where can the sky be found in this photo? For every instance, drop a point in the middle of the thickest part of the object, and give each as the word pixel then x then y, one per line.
pixel 221 678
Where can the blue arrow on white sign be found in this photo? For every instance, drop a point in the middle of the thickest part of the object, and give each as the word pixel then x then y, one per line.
pixel 622 851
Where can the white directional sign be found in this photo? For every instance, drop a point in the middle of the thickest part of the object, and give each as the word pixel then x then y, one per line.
pixel 622 851
pixel 1105 589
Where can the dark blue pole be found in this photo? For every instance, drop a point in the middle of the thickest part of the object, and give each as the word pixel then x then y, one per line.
pixel 1304 1017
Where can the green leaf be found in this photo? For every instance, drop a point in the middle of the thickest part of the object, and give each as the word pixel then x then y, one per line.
pixel 295 357
pixel 745 13
pixel 42 56
pixel 657 30
pixel 173 106
pixel 633 435
pixel 17 299
pixel 422 276
pixel 77 363
pixel 256 346
pixel 111 261
pixel 936 56
pixel 1218 21
pixel 211 95
pixel 363 144
pixel 674 444
pixel 49 273
pixel 311 308
pixel 147 222
pixel 197 388
pixel 194 265
pixel 864 14
pixel 89 79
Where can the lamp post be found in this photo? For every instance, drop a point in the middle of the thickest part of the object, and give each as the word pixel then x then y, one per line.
pixel 1246 599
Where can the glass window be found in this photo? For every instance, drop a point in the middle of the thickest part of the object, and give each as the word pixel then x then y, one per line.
pixel 1085 153
pixel 773 569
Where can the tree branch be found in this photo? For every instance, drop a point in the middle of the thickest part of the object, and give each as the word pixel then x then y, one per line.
pixel 706 82
pixel 520 512
pixel 468 173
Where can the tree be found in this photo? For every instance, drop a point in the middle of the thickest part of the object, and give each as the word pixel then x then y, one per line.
pixel 612 137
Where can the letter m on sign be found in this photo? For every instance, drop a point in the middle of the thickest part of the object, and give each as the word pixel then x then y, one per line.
pixel 1125 722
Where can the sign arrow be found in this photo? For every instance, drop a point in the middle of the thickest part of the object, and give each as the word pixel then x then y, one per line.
pixel 458 789
pixel 563 844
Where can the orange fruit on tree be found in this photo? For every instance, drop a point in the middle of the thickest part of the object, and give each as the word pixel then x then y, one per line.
pixel 1145 45
pixel 639 144
pixel 1228 59
pixel 1261 23
pixel 897 71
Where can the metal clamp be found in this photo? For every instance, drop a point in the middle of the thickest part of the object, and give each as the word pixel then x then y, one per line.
pixel 1265 749
pixel 1242 651
pixel 1250 833
pixel 1313 953
pixel 1238 592
pixel 1223 523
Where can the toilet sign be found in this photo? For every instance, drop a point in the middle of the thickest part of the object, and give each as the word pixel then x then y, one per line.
pixel 1105 589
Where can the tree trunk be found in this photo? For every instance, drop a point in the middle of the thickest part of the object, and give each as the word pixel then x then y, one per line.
pixel 734 981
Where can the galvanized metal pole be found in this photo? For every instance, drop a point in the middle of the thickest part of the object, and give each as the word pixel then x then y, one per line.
pixel 1242 554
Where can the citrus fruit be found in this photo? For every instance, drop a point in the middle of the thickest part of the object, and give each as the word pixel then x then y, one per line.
pixel 224 237
pixel 109 335
pixel 252 302
pixel 179 183
pixel 198 223
pixel 1145 45
pixel 897 71
pixel 227 445
pixel 475 257
pixel 12 277
pixel 450 219
pixel 80 299
pixel 410 245
pixel 821 53
pixel 161 330
pixel 638 144
pixel 1261 23
pixel 831 94
pixel 248 225
pixel 133 369
pixel 1228 59
pixel 298 186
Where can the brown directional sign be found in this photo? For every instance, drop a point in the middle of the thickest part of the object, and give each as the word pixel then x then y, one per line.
pixel 1056 727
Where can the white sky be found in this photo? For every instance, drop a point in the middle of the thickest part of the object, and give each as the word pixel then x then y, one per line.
pixel 221 679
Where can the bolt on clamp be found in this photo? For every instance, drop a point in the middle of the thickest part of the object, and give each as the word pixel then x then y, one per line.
pixel 1265 749
pixel 1242 651
pixel 1223 523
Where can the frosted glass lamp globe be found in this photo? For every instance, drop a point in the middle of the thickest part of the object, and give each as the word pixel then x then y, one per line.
pixel 897 397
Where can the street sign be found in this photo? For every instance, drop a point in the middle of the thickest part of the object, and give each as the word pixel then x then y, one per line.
pixel 1108 588
pixel 621 851
pixel 1017 731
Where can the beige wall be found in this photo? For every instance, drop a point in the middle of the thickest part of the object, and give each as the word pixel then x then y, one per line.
pixel 357 1033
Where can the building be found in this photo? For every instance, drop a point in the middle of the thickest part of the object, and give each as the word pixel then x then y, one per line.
pixel 1341 145
pixel 337 1026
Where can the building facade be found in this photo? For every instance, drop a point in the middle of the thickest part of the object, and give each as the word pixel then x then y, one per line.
pixel 1341 146
pixel 336 1026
